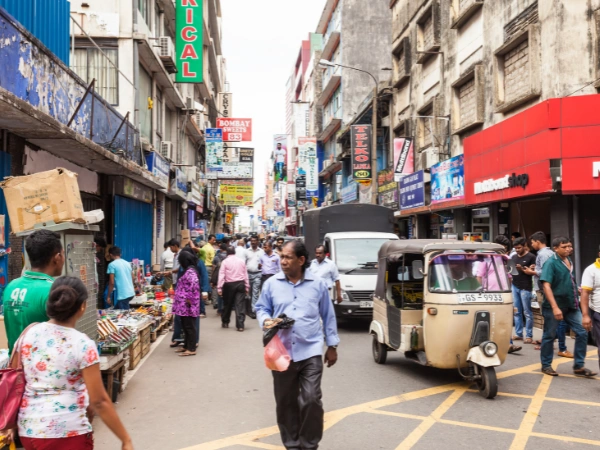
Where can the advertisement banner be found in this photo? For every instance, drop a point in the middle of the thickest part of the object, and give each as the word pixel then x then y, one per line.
pixel 159 167
pixel 361 152
pixel 301 188
pixel 189 45
pixel 365 194
pixel 404 157
pixel 237 194
pixel 448 180
pixel 179 184
pixel 350 192
pixel 238 163
pixel 387 189
pixel 412 191
pixel 235 130
pixel 291 197
pixel 214 150
pixel 225 103
pixel 309 163
pixel 279 157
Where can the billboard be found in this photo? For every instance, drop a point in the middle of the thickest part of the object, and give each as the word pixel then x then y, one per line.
pixel 307 154
pixel 412 191
pixel 237 193
pixel 238 163
pixel 214 150
pixel 235 130
pixel 189 45
pixel 279 156
pixel 361 153
pixel 404 157
pixel 448 180
pixel 387 189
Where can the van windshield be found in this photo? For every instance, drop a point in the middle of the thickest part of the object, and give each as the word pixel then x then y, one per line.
pixel 357 253
pixel 472 272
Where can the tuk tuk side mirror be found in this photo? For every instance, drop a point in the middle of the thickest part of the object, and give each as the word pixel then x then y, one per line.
pixel 512 267
pixel 417 269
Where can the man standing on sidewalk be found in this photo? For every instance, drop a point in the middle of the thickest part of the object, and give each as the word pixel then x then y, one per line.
pixel 120 276
pixel 233 286
pixel 521 291
pixel 302 296
pixel 253 255
pixel 560 292
pixel 209 252
pixel 590 300
pixel 270 263
pixel 325 268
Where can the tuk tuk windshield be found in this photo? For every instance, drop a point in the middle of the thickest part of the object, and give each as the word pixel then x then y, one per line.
pixel 468 272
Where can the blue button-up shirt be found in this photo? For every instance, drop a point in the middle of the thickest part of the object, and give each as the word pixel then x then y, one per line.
pixel 270 265
pixel 307 302
pixel 326 270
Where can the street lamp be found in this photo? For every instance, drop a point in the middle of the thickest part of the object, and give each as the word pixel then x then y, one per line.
pixel 326 63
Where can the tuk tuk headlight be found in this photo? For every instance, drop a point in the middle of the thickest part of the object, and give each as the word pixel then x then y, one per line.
pixel 489 348
pixel 345 296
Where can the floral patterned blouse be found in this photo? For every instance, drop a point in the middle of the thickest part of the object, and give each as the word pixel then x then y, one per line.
pixel 188 288
pixel 55 401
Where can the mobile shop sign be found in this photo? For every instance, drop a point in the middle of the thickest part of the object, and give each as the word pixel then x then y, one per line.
pixel 387 189
pixel 506 182
pixel 238 163
pixel 189 45
pixel 235 130
pixel 301 188
pixel 361 153
pixel 404 159
pixel 412 191
pixel 448 180
pixel 214 150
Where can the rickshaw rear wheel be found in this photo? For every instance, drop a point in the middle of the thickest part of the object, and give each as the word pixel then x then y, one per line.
pixel 488 383
pixel 379 351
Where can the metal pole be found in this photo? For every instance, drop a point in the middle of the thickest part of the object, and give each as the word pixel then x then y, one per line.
pixel 576 239
pixel 374 150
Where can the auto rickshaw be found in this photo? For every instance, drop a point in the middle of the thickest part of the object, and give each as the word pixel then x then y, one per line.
pixel 445 304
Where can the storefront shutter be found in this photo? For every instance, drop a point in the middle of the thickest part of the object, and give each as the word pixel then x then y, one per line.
pixel 133 229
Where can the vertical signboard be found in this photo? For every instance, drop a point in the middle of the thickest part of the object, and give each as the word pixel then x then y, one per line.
pixel 309 164
pixel 189 45
pixel 301 188
pixel 214 151
pixel 404 159
pixel 225 103
pixel 280 147
pixel 361 153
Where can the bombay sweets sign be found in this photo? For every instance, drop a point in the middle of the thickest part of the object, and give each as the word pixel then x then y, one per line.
pixel 189 44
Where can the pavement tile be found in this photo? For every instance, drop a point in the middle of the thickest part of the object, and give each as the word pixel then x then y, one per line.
pixel 571 420
pixel 524 384
pixel 570 388
pixel 451 437
pixel 420 407
pixel 536 443
pixel 502 412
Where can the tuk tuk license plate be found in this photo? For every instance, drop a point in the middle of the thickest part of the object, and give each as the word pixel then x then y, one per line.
pixel 479 298
pixel 366 304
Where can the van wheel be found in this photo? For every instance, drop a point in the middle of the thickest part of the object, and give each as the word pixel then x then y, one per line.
pixel 488 384
pixel 379 351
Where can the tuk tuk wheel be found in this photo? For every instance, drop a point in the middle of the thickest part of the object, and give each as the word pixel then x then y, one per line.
pixel 488 383
pixel 379 351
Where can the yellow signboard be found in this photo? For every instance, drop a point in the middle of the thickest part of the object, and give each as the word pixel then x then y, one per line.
pixel 237 195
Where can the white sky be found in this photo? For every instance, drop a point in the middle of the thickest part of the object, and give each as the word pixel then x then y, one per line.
pixel 261 40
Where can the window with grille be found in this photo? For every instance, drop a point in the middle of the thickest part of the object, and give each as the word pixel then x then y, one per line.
pixel 89 63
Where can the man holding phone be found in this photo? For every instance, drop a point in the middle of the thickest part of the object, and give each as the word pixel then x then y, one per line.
pixel 521 290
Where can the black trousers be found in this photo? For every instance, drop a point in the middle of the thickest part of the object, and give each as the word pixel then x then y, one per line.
pixel 263 280
pixel 234 297
pixel 299 406
pixel 188 324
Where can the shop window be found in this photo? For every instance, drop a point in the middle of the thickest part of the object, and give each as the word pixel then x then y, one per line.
pixel 517 70
pixel 428 32
pixel 145 88
pixel 144 9
pixel 401 59
pixel 89 63
pixel 462 10
pixel 468 101
pixel 425 128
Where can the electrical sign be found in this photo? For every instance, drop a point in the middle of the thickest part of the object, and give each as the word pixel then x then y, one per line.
pixel 189 44
pixel 361 153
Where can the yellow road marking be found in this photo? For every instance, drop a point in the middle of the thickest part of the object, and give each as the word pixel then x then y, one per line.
pixel 574 402
pixel 504 394
pixel 395 414
pixel 566 438
pixel 262 445
pixel 435 416
pixel 476 425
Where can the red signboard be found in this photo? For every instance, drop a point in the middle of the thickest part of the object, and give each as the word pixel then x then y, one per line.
pixel 361 152
pixel 235 130
pixel 581 175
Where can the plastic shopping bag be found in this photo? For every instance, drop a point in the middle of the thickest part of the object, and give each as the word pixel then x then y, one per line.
pixel 276 355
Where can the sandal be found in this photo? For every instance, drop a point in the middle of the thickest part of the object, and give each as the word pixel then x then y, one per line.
pixel 549 371
pixel 174 344
pixel 537 347
pixel 181 350
pixel 528 341
pixel 517 338
pixel 583 372
pixel 186 353
pixel 514 348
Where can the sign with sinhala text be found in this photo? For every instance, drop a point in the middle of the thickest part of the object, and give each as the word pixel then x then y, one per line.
pixel 361 153
pixel 189 45
pixel 237 194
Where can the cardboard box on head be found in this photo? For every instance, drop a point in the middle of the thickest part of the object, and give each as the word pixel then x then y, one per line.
pixel 185 238
pixel 43 197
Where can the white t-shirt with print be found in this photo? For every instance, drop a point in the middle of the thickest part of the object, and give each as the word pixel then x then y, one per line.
pixel 55 401
pixel 590 281
pixel 280 156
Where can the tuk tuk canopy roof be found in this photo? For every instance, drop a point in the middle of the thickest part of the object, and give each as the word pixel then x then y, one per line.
pixel 393 250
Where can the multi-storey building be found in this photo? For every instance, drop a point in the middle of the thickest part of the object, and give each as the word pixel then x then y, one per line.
pixel 508 88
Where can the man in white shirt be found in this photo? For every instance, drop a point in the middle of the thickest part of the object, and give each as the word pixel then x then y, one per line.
pixel 326 269
pixel 166 265
pixel 252 260
pixel 590 300
pixel 240 250
pixel 279 155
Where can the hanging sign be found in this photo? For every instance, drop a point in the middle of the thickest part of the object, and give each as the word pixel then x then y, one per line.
pixel 404 159
pixel 238 163
pixel 214 150
pixel 361 153
pixel 310 164
pixel 235 130
pixel 301 187
pixel 189 45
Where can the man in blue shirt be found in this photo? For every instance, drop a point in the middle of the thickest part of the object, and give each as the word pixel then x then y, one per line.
pixel 325 268
pixel 120 276
pixel 302 296
pixel 270 263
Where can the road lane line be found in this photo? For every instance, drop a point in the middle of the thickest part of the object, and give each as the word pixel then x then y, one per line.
pixel 574 402
pixel 504 394
pixel 262 445
pixel 395 414
pixel 566 439
pixel 476 425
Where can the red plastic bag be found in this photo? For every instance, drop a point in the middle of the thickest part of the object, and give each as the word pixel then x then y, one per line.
pixel 276 355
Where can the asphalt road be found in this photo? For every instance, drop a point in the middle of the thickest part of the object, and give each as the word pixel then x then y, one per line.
pixel 222 398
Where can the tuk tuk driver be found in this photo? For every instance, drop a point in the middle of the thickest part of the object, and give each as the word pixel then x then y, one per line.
pixel 460 272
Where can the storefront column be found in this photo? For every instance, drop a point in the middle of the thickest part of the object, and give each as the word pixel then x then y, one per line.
pixel 561 216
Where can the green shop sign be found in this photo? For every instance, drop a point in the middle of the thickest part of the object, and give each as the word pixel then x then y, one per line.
pixel 189 44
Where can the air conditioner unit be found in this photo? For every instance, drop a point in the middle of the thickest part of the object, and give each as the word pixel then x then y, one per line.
pixel 166 53
pixel 167 150
pixel 198 107
pixel 429 157
pixel 189 103
pixel 192 173
pixel 198 118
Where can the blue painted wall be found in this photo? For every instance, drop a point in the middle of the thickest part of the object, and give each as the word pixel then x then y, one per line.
pixel 133 228
pixel 47 20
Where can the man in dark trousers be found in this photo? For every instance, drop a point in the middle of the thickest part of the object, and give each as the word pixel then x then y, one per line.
pixel 233 285
pixel 302 296
pixel 521 291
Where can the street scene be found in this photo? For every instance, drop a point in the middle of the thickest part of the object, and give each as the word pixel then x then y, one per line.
pixel 299 225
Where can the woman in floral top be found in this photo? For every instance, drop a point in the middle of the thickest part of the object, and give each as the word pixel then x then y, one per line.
pixel 187 301
pixel 63 382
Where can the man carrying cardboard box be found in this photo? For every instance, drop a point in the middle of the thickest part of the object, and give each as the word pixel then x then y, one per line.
pixel 25 298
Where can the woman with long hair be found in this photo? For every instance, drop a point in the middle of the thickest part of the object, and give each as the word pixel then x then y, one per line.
pixel 64 387
pixel 187 301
